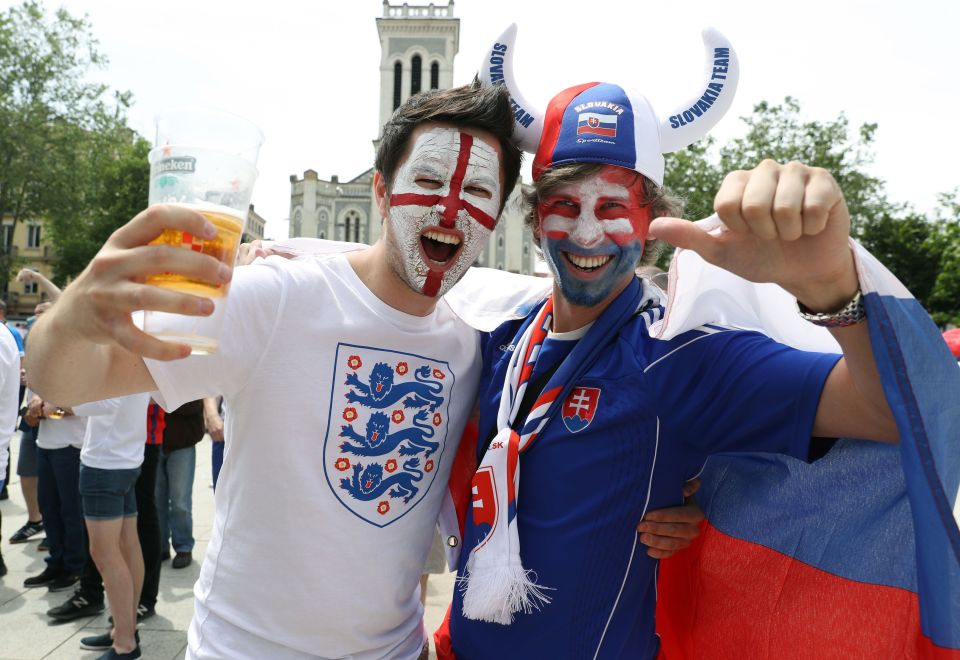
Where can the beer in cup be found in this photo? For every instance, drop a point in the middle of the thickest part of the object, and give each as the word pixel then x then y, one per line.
pixel 203 160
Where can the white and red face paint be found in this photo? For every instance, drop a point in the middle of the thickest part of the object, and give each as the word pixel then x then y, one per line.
pixel 444 203
pixel 592 232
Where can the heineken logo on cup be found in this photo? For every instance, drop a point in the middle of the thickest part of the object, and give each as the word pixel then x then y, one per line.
pixel 176 164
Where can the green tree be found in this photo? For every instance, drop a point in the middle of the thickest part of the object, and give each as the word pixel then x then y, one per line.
pixel 56 127
pixel 909 245
pixel 778 132
pixel 944 301
pixel 116 189
pixel 923 253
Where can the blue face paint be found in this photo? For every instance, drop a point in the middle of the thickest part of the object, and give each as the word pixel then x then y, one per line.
pixel 590 288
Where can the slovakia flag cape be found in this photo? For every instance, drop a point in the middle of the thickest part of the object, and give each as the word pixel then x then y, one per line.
pixel 856 555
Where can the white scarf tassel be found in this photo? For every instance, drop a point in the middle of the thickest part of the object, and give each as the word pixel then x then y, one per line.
pixel 499 590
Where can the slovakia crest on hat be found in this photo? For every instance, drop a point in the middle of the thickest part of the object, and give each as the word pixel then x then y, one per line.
pixel 579 408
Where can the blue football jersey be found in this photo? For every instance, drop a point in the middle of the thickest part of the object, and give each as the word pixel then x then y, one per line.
pixel 639 423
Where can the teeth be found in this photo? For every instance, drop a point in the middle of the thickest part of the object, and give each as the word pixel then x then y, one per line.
pixel 588 262
pixel 442 237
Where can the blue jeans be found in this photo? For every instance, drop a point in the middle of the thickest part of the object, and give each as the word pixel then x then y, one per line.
pixel 175 498
pixel 58 493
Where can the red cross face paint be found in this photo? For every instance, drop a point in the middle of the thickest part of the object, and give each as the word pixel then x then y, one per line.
pixel 592 232
pixel 443 206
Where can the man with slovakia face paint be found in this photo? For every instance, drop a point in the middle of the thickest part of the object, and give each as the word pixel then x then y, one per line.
pixel 588 418
pixel 368 372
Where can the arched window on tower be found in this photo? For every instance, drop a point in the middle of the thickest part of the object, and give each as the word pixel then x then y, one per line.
pixel 297 224
pixel 435 76
pixel 416 64
pixel 321 223
pixel 397 82
pixel 351 227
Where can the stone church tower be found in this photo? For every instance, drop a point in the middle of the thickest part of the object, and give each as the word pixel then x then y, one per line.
pixel 417 48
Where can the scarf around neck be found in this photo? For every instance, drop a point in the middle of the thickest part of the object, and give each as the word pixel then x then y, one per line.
pixel 495 584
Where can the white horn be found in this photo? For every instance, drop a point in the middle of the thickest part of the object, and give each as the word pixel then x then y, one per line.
pixel 497 69
pixel 693 119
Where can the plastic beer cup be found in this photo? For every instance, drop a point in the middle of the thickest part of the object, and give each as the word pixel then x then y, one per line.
pixel 203 160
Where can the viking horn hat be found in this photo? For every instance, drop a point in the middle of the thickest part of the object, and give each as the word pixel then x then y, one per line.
pixel 605 123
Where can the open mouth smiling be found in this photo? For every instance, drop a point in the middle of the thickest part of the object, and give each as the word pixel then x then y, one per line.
pixel 440 247
pixel 590 264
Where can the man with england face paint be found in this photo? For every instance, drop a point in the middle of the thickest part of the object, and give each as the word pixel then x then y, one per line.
pixel 349 381
pixel 604 418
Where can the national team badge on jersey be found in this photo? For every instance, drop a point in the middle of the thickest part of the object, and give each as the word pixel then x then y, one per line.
pixel 386 431
pixel 579 408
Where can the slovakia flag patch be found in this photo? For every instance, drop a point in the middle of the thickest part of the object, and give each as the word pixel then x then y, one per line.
pixel 579 408
pixel 593 123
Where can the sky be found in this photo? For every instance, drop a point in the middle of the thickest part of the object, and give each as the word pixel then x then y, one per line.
pixel 308 72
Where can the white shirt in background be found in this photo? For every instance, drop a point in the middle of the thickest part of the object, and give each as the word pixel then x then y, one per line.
pixel 59 433
pixel 9 393
pixel 116 432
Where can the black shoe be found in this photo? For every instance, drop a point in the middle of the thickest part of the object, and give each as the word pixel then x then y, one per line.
pixel 165 555
pixel 44 579
pixel 103 641
pixel 78 606
pixel 113 655
pixel 3 567
pixel 43 547
pixel 143 612
pixel 29 528
pixel 64 582
pixel 182 560
pixel 4 494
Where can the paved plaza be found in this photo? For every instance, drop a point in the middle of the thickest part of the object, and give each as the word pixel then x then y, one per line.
pixel 26 632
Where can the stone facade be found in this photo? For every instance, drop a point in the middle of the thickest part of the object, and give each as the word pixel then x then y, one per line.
pixel 417 48
pixel 256 226
pixel 28 246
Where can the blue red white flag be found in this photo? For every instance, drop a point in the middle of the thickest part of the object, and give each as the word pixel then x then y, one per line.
pixel 595 123
pixel 855 555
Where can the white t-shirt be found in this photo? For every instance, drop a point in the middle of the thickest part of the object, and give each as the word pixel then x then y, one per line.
pixel 323 524
pixel 116 432
pixel 9 393
pixel 59 433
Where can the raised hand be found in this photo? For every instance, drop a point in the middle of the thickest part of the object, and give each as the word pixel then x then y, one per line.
pixel 786 224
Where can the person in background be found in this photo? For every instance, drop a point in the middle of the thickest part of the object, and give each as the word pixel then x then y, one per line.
pixel 18 338
pixel 109 467
pixel 27 471
pixel 9 402
pixel 58 491
pixel 87 600
pixel 27 456
pixel 182 430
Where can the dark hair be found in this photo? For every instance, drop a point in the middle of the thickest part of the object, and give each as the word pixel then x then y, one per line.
pixel 656 197
pixel 470 106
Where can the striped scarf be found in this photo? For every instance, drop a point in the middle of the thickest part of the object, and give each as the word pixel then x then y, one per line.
pixel 495 584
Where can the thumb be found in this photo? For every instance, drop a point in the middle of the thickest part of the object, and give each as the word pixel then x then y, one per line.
pixel 685 234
